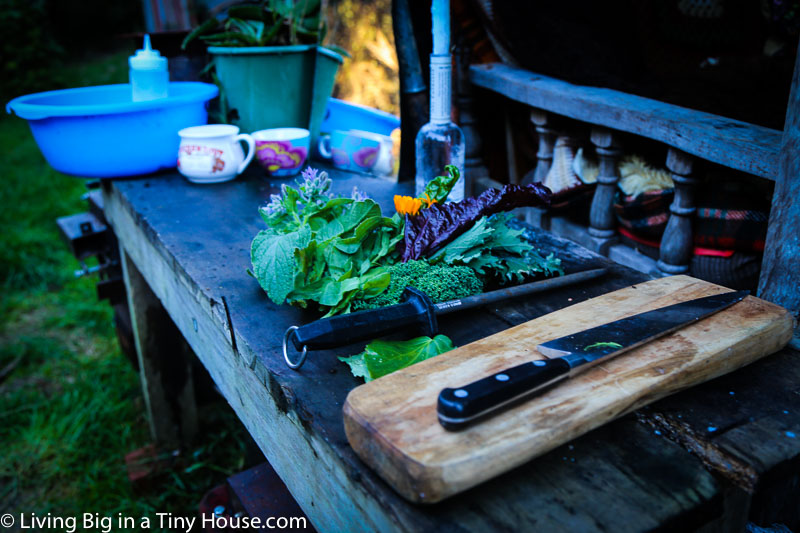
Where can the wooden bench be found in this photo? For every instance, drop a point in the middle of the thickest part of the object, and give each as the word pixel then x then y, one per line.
pixel 689 135
pixel 185 251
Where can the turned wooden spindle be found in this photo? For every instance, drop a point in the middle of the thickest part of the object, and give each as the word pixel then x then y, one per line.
pixel 537 216
pixel 676 244
pixel 601 217
pixel 547 141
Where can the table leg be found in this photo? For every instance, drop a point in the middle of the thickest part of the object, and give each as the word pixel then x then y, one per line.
pixel 165 363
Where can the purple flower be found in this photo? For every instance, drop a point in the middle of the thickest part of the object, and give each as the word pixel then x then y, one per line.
pixel 358 196
pixel 314 187
pixel 309 174
pixel 275 205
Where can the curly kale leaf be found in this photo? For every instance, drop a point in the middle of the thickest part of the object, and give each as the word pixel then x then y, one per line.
pixel 494 250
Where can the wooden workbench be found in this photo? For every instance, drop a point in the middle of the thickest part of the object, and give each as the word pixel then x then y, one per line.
pixel 695 460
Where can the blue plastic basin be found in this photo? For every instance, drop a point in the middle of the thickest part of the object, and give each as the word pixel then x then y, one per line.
pixel 341 115
pixel 100 132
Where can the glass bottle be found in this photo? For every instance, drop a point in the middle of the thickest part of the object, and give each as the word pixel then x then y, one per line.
pixel 440 142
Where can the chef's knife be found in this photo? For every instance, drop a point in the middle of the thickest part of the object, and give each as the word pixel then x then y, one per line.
pixel 415 314
pixel 457 407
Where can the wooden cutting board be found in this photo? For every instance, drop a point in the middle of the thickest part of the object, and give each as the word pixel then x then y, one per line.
pixel 391 422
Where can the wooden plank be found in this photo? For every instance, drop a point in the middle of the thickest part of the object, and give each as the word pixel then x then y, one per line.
pixel 632 258
pixel 193 244
pixel 259 400
pixel 741 426
pixel 573 259
pixel 595 484
pixel 620 254
pixel 165 366
pixel 262 494
pixel 780 276
pixel 290 426
pixel 731 143
pixel 392 424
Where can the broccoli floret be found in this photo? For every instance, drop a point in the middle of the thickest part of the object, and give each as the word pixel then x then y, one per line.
pixel 439 282
pixel 443 283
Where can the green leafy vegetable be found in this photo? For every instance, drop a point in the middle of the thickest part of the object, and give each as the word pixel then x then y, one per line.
pixel 440 224
pixel 380 358
pixel 493 249
pixel 440 282
pixel 341 253
pixel 438 189
pixel 273 261
pixel 602 345
pixel 323 249
pixel 358 366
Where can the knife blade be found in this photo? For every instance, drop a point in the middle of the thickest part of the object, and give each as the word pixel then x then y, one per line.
pixel 569 355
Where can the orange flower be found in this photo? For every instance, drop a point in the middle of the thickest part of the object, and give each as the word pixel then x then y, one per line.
pixel 406 205
pixel 428 201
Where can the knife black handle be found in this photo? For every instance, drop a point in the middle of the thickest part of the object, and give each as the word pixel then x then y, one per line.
pixel 416 312
pixel 458 407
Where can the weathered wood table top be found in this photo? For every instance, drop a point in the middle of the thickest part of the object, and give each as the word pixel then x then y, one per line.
pixel 191 244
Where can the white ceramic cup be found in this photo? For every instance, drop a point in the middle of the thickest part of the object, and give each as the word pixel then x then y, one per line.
pixel 213 153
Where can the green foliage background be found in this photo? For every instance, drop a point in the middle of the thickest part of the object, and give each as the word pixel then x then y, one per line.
pixel 39 36
pixel 70 403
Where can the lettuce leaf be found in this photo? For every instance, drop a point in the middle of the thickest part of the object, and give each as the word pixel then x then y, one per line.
pixel 429 231
pixel 380 358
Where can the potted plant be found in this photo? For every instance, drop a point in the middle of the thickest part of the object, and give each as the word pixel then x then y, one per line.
pixel 270 63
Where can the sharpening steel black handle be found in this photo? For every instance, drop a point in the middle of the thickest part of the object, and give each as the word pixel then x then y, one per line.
pixel 416 313
pixel 458 407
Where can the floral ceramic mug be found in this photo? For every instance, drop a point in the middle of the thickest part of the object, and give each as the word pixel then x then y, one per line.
pixel 282 151
pixel 360 151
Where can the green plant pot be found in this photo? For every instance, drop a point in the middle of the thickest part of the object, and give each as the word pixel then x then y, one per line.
pixel 277 86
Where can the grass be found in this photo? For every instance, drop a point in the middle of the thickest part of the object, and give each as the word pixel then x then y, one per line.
pixel 70 403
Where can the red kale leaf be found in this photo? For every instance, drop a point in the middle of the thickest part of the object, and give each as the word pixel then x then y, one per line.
pixel 434 227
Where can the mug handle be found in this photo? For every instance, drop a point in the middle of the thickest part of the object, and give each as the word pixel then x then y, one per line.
pixel 251 149
pixel 384 163
pixel 324 146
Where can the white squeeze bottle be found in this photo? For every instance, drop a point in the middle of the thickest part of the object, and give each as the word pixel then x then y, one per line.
pixel 148 73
